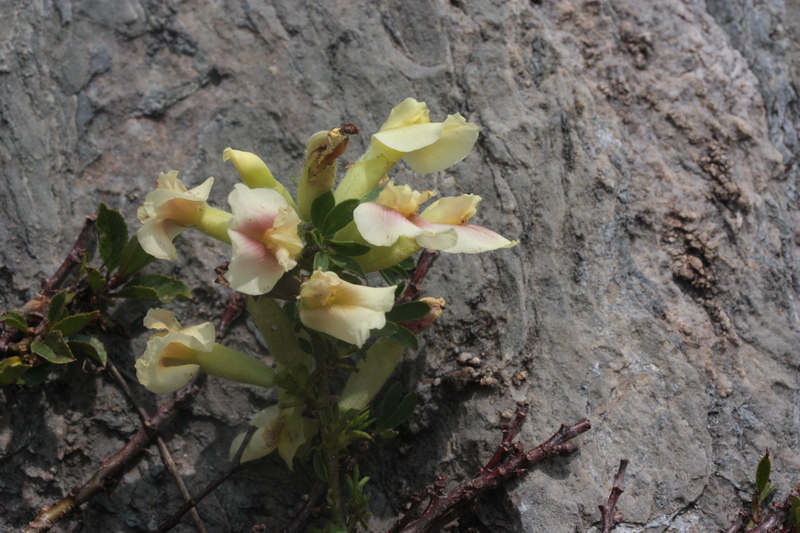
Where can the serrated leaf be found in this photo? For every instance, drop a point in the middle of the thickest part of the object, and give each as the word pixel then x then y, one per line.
pixel 320 208
pixel 321 261
pixel 96 279
pixel 53 349
pixel 340 216
pixel 408 311
pixel 90 346
pixel 400 414
pixel 133 258
pixel 154 287
pixel 404 337
pixel 57 310
pixel 11 369
pixel 15 320
pixel 74 323
pixel 348 263
pixel 762 473
pixel 112 235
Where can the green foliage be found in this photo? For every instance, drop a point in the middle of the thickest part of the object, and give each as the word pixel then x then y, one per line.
pixel 764 488
pixel 89 346
pixel 11 369
pixel 794 514
pixel 357 503
pixel 53 348
pixel 395 409
pixel 339 216
pixel 408 311
pixel 70 325
pixel 15 320
pixel 112 235
pixel 322 205
pixel 133 258
pixel 156 287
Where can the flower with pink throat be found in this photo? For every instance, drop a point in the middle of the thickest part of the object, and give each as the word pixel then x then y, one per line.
pixel 264 237
pixel 444 225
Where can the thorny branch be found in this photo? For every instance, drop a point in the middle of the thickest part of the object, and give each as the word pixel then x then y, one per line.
pixel 444 508
pixel 610 521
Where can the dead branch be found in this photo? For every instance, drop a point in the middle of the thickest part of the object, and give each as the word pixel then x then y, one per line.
pixel 444 508
pixel 607 511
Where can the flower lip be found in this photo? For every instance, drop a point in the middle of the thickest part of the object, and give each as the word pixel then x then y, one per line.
pixel 341 309
pixel 168 361
pixel 169 211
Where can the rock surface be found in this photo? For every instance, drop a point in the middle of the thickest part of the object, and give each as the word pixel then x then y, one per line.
pixel 644 153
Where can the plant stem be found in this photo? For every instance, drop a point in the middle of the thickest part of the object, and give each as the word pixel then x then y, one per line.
pixel 330 435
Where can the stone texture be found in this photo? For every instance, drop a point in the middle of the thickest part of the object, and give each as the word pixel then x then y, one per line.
pixel 644 153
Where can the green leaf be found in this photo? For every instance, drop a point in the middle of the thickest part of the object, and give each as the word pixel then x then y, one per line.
pixel 57 309
pixel 762 473
pixel 15 320
pixel 321 261
pixel 90 346
pixel 348 263
pixel 389 329
pixel 794 514
pixel 319 467
pixel 154 287
pixel 11 369
pixel 348 248
pixel 399 415
pixel 405 337
pixel 372 195
pixel 53 348
pixel 96 279
pixel 35 375
pixel 73 324
pixel 112 235
pixel 407 264
pixel 388 276
pixel 320 208
pixel 340 216
pixel 133 258
pixel 277 330
pixel 408 311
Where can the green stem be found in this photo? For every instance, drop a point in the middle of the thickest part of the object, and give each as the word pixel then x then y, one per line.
pixel 381 257
pixel 330 435
pixel 214 223
pixel 235 365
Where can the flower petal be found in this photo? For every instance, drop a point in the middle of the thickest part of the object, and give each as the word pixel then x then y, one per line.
pixel 452 210
pixel 410 138
pixel 407 112
pixel 349 323
pixel 156 236
pixel 474 239
pixel 253 269
pixel 455 143
pixel 161 319
pixel 264 441
pixel 381 225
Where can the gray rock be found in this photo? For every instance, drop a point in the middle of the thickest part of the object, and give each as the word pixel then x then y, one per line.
pixel 645 154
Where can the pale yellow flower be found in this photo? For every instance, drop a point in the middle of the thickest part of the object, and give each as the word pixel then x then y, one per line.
pixel 263 232
pixel 169 211
pixel 169 361
pixel 342 309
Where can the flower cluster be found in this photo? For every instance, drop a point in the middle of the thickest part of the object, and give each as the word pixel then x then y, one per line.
pixel 313 251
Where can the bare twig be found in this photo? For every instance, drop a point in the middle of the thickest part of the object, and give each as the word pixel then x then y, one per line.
pixel 233 310
pixel 306 513
pixel 111 465
pixel 424 263
pixel 607 510
pixel 166 457
pixel 73 257
pixel 176 517
pixel 444 508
